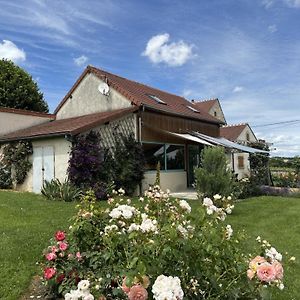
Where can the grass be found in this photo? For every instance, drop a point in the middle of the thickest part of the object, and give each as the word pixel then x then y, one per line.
pixel 275 219
pixel 27 222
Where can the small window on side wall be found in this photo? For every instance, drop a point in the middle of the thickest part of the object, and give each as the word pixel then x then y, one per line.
pixel 241 164
pixel 247 136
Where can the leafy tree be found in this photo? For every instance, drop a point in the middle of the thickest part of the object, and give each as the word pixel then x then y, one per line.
pixel 18 90
pixel 213 176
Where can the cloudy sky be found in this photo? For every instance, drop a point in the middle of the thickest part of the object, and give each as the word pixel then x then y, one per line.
pixel 244 52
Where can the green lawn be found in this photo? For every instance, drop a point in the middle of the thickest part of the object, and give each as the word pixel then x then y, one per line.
pixel 275 219
pixel 27 222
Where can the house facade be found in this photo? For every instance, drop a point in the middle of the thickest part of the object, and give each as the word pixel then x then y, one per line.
pixel 112 104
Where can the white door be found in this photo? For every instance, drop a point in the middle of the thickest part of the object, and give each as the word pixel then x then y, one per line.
pixel 43 166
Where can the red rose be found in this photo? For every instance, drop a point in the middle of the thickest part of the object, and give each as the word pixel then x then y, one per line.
pixel 60 278
pixel 49 273
pixel 60 235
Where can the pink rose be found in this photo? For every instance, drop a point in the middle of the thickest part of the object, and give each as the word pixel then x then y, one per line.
pixel 256 262
pixel 278 269
pixel 63 246
pixel 137 292
pixel 50 256
pixel 60 236
pixel 125 288
pixel 49 273
pixel 78 256
pixel 266 272
pixel 250 274
pixel 54 249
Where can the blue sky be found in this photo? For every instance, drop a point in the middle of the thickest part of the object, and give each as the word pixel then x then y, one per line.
pixel 245 52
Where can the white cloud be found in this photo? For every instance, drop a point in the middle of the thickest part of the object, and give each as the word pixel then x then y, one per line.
pixel 174 54
pixel 81 60
pixel 267 3
pixel 272 28
pixel 292 3
pixel 237 89
pixel 9 50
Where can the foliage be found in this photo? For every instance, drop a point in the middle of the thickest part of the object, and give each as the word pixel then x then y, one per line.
pixel 259 165
pixel 63 191
pixel 157 177
pixel 18 90
pixel 15 157
pixel 128 164
pixel 129 246
pixel 213 176
pixel 5 176
pixel 286 179
pixel 91 166
pixel 85 161
pixel 247 187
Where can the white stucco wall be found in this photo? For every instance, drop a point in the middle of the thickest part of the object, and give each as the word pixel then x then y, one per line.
pixel 216 108
pixel 86 99
pixel 10 122
pixel 175 181
pixel 61 157
pixel 242 138
pixel 233 164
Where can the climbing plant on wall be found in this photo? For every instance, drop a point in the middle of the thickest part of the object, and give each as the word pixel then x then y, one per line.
pixel 16 160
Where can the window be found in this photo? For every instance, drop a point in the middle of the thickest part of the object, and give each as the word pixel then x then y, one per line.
pixel 215 113
pixel 153 154
pixel 175 157
pixel 248 136
pixel 241 162
pixel 171 157
pixel 158 100
pixel 193 109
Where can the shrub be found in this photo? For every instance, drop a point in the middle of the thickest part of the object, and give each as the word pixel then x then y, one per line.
pixel 5 177
pixel 154 249
pixel 213 176
pixel 129 161
pixel 63 191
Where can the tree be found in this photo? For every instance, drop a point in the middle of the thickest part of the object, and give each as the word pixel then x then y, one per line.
pixel 213 176
pixel 18 90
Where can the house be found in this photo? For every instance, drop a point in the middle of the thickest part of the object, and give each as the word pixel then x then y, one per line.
pixel 241 134
pixel 110 104
pixel 12 119
pixel 211 106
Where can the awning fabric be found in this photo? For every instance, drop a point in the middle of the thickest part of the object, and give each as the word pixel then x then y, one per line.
pixel 190 137
pixel 226 143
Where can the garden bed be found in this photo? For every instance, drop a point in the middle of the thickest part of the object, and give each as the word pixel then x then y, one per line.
pixel 279 191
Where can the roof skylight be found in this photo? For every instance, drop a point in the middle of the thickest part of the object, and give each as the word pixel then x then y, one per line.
pixel 193 109
pixel 155 98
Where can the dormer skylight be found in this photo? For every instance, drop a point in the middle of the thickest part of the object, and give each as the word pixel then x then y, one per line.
pixel 193 109
pixel 155 98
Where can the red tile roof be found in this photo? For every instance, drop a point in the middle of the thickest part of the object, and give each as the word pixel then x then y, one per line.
pixel 26 112
pixel 70 126
pixel 205 105
pixel 232 132
pixel 138 93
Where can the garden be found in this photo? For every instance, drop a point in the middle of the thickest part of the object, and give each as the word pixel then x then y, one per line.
pixel 116 246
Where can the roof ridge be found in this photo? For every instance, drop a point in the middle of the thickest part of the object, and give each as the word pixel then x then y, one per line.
pixel 204 100
pixel 139 83
pixel 235 125
pixel 25 111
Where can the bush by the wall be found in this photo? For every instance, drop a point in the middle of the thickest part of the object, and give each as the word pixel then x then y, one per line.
pixel 5 177
pixel 213 176
pixel 129 162
pixel 62 191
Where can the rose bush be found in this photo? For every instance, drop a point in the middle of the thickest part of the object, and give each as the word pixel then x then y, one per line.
pixel 155 249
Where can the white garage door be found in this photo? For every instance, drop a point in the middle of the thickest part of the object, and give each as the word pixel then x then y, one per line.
pixel 43 166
